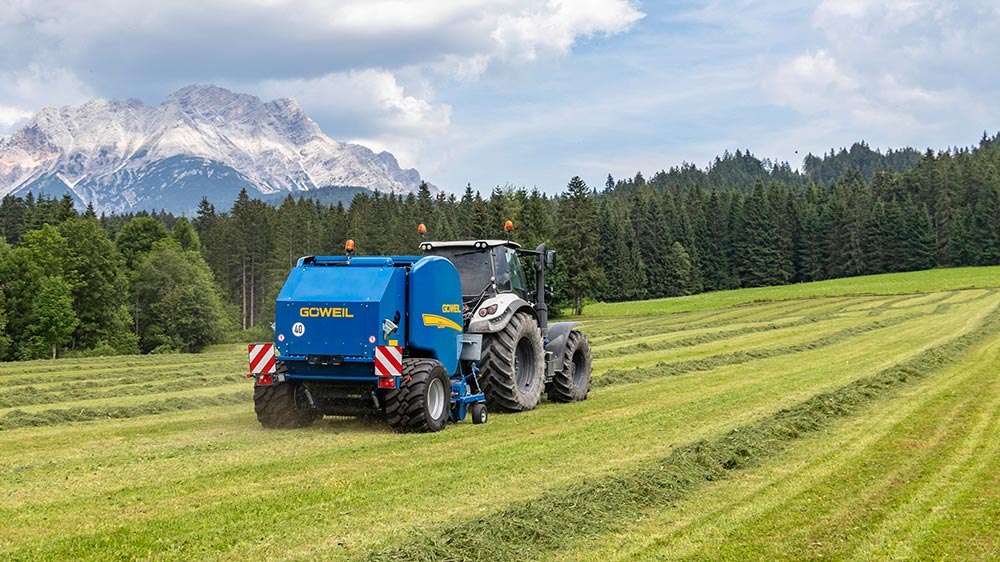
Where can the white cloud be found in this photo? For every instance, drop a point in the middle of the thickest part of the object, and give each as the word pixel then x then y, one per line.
pixel 299 38
pixel 896 71
pixel 10 116
pixel 369 107
pixel 36 86
pixel 45 85
pixel 554 28
pixel 812 82
pixel 364 69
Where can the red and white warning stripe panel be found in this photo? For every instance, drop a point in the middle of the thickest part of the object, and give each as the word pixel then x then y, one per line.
pixel 389 361
pixel 262 358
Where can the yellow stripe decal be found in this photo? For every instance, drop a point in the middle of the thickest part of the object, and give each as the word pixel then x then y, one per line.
pixel 440 322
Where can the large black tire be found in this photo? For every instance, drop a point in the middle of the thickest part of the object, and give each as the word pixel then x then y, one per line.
pixel 513 365
pixel 283 405
pixel 422 402
pixel 573 383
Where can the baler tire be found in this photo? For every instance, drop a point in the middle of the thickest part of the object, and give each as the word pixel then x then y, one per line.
pixel 479 413
pixel 282 406
pixel 572 383
pixel 513 383
pixel 422 403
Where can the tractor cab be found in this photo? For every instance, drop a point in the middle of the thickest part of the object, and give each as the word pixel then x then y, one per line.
pixel 487 267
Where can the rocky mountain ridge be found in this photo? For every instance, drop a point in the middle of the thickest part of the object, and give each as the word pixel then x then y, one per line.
pixel 122 155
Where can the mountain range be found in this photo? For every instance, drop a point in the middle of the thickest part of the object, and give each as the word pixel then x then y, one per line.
pixel 203 140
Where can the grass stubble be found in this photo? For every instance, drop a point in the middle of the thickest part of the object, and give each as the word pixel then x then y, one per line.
pixel 548 523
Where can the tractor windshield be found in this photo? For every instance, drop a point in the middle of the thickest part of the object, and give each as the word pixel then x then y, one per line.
pixel 473 267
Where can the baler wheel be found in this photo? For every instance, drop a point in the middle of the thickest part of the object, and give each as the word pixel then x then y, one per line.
pixel 422 401
pixel 513 363
pixel 479 414
pixel 572 383
pixel 283 405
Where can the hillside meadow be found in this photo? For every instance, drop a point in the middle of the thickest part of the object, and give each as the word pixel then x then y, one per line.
pixel 856 419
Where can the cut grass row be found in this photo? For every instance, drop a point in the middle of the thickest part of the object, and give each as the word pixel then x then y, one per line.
pixel 625 330
pixel 208 483
pixel 915 479
pixel 62 392
pixel 56 416
pixel 534 529
pixel 793 318
pixel 195 481
pixel 613 329
pixel 81 404
pixel 933 280
pixel 740 350
pixel 110 368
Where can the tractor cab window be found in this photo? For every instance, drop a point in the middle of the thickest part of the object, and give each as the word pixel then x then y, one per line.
pixel 503 272
pixel 517 282
pixel 510 276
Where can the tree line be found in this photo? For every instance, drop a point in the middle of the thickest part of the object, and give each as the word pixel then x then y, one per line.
pixel 944 211
pixel 75 283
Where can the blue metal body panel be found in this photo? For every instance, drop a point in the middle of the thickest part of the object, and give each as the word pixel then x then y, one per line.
pixel 330 314
pixel 435 319
pixel 338 310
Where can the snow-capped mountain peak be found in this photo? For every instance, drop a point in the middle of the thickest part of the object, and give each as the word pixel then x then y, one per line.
pixel 121 155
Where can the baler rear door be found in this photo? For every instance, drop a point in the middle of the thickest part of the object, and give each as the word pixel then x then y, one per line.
pixel 336 310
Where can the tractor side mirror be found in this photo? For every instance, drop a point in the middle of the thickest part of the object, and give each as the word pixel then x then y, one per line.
pixel 550 259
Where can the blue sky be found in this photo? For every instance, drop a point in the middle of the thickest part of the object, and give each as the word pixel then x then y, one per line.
pixel 530 93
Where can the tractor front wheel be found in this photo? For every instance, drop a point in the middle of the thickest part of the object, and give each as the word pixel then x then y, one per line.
pixel 572 383
pixel 513 365
pixel 423 400
pixel 283 405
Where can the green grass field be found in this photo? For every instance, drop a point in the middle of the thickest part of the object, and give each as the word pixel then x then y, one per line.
pixel 856 419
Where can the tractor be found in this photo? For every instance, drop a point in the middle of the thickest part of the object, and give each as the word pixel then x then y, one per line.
pixel 418 340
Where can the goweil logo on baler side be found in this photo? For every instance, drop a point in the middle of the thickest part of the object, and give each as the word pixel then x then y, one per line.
pixel 325 312
pixel 432 320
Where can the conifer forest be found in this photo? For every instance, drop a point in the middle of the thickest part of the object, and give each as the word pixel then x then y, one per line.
pixel 77 283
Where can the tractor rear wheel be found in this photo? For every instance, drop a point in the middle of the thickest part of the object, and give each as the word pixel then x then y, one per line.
pixel 513 365
pixel 572 383
pixel 283 405
pixel 422 402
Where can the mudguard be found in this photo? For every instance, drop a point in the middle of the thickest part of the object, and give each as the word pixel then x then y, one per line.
pixel 558 336
pixel 507 305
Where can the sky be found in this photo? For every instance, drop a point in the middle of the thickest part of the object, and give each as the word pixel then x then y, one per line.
pixel 529 93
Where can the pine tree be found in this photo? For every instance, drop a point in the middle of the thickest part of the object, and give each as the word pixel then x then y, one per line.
pixel 918 244
pixel 677 282
pixel 709 229
pixel 855 226
pixel 425 204
pixel 13 218
pixel 578 243
pixel 653 238
pixel 619 257
pixel 762 261
pixel 252 227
